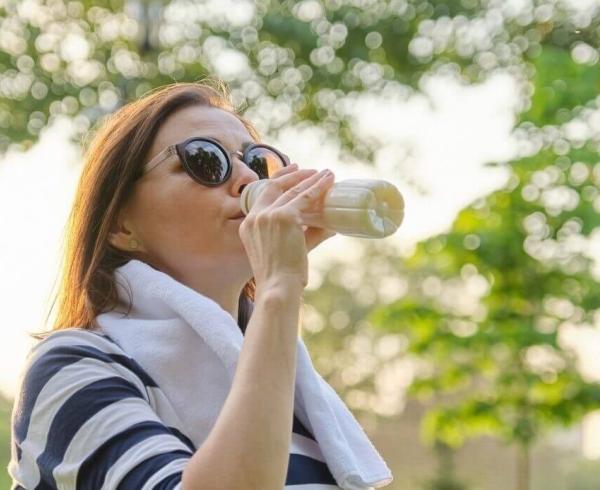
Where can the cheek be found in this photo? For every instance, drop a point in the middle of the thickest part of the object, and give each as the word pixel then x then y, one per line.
pixel 178 217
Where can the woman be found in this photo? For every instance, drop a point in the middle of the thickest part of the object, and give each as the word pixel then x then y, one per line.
pixel 160 189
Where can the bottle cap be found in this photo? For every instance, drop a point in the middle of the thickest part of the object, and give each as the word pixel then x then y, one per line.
pixel 249 195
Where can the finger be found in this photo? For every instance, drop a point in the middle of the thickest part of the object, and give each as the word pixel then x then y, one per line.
pixel 310 193
pixel 276 186
pixel 307 186
pixel 286 180
pixel 288 194
pixel 285 170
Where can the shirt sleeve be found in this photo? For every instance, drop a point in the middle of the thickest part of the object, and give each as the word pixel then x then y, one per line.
pixel 82 420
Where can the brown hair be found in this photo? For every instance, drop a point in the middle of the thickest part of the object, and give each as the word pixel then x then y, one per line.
pixel 112 163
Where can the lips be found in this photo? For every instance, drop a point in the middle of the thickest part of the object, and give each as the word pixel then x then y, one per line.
pixel 236 212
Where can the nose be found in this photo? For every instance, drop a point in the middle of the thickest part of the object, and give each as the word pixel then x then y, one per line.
pixel 241 175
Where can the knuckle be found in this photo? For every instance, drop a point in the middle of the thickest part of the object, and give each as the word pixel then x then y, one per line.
pixel 246 225
pixel 285 217
pixel 267 217
pixel 273 185
pixel 262 218
pixel 281 214
pixel 247 220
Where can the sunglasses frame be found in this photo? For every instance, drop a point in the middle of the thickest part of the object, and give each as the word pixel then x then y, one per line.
pixel 178 150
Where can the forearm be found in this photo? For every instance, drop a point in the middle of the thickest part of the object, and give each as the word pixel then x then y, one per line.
pixel 249 445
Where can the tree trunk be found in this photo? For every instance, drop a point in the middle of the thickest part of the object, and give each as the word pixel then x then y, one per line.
pixel 445 478
pixel 523 467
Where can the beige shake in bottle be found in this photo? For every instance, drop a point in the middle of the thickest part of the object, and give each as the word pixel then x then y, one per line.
pixel 364 208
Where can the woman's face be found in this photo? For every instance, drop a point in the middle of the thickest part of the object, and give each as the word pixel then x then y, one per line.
pixel 183 226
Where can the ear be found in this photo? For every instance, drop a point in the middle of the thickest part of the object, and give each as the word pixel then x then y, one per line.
pixel 121 234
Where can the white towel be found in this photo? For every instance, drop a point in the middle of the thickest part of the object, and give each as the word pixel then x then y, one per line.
pixel 190 346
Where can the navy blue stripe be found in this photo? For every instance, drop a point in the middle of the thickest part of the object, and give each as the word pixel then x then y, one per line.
pixel 303 470
pixel 93 470
pixel 44 368
pixel 106 336
pixel 298 428
pixel 169 482
pixel 44 485
pixel 110 339
pixel 146 469
pixel 75 412
pixel 185 439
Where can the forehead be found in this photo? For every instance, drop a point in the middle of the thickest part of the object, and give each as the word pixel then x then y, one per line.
pixel 202 121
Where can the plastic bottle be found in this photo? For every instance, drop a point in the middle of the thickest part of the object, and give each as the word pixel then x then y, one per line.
pixel 364 208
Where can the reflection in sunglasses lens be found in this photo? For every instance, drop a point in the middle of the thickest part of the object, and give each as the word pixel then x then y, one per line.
pixel 206 161
pixel 209 164
pixel 264 162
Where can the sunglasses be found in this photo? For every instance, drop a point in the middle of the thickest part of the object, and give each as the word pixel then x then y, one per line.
pixel 209 163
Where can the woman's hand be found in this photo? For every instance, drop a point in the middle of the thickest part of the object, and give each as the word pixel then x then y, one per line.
pixel 314 236
pixel 272 232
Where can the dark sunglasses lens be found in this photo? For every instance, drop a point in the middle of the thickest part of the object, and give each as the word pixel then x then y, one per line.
pixel 264 162
pixel 206 161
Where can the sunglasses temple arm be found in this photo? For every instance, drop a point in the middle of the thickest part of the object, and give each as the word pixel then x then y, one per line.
pixel 158 159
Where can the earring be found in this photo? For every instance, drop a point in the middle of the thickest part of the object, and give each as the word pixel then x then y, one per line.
pixel 133 243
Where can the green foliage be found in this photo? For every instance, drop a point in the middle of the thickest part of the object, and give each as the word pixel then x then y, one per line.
pixel 497 364
pixel 527 276
pixel 299 55
pixel 5 411
pixel 560 85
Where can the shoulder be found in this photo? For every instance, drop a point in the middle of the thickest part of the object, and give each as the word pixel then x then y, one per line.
pixel 72 368
pixel 70 371
pixel 63 348
pixel 83 411
pixel 74 336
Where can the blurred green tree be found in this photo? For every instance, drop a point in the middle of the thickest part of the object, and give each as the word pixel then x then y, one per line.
pixel 493 300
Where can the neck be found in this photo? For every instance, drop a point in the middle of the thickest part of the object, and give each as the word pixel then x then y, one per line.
pixel 222 285
pixel 216 285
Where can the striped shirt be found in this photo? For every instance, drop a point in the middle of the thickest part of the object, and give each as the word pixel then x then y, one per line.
pixel 88 417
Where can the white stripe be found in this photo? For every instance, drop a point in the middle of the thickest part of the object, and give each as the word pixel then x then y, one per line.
pixel 305 446
pixel 70 337
pixel 16 473
pixel 161 405
pixel 14 469
pixel 143 450
pixel 173 467
pixel 28 471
